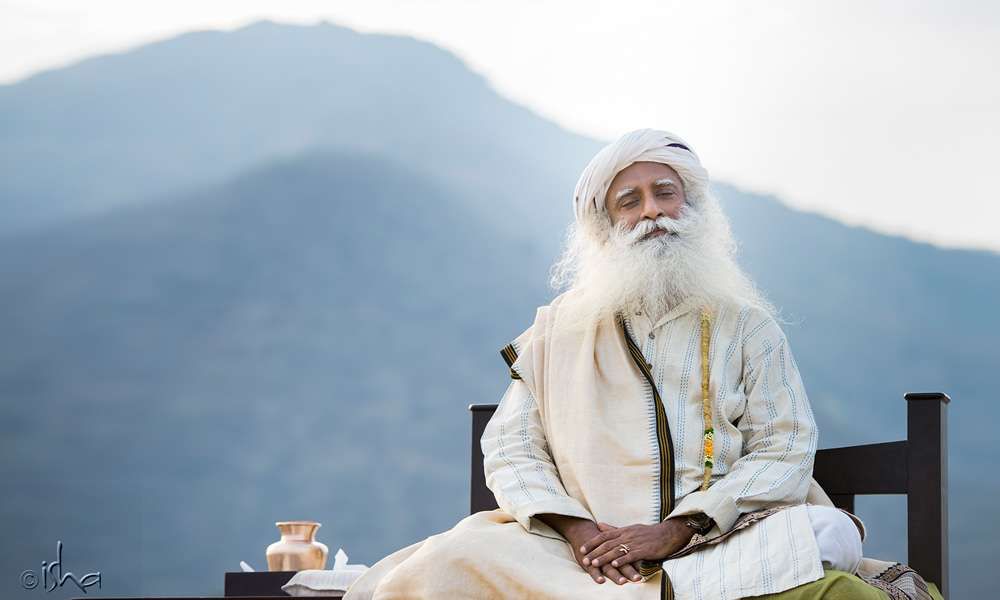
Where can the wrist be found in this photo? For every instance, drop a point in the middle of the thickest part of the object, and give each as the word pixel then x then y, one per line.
pixel 579 530
pixel 701 523
pixel 566 526
pixel 677 527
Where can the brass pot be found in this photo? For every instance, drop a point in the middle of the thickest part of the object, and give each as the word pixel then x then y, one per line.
pixel 297 550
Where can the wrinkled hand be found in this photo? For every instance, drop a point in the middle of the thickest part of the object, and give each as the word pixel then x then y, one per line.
pixel 587 530
pixel 645 542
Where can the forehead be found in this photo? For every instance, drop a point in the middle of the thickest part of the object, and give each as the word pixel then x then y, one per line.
pixel 642 173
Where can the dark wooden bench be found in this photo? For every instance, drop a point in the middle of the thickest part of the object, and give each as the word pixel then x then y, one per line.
pixel 916 467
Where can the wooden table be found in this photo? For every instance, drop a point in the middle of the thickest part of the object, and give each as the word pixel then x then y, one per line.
pixel 263 584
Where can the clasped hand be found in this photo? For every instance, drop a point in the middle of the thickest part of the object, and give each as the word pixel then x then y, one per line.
pixel 600 554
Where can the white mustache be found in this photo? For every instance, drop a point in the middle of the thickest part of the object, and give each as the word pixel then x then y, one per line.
pixel 681 226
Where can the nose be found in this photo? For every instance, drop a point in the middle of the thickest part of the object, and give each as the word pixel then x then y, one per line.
pixel 651 209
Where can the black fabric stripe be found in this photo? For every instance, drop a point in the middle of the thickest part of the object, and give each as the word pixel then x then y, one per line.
pixel 662 430
pixel 509 354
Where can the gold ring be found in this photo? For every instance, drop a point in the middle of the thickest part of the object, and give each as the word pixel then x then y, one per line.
pixel 623 548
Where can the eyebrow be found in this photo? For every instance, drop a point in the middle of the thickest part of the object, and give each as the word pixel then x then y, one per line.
pixel 623 192
pixel 628 190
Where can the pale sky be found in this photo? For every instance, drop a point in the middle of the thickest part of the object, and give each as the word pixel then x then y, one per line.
pixel 875 113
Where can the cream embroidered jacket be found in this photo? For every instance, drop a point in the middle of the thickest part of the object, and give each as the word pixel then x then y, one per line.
pixel 581 432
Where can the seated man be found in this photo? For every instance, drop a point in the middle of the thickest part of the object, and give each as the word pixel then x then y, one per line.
pixel 655 440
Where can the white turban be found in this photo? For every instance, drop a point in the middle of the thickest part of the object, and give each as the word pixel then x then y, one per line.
pixel 649 145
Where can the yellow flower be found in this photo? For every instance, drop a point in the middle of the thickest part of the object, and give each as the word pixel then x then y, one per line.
pixel 708 447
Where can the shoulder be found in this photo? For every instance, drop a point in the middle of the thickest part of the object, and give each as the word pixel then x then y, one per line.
pixel 512 351
pixel 760 332
pixel 532 339
pixel 544 317
pixel 560 300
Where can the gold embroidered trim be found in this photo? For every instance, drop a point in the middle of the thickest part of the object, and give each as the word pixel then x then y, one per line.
pixel 706 403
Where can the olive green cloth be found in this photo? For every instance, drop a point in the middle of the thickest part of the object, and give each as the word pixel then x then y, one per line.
pixel 837 585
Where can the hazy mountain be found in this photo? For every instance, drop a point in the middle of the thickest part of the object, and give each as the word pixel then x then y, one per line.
pixel 291 323
pixel 301 343
pixel 200 107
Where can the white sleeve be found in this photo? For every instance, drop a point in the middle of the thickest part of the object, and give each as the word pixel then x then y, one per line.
pixel 779 436
pixel 516 461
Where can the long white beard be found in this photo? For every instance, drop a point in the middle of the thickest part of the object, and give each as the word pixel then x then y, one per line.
pixel 610 269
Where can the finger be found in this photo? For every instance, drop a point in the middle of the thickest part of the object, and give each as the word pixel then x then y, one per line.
pixel 604 553
pixel 630 571
pixel 596 574
pixel 596 549
pixel 609 557
pixel 630 557
pixel 617 558
pixel 614 574
pixel 597 540
pixel 605 527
